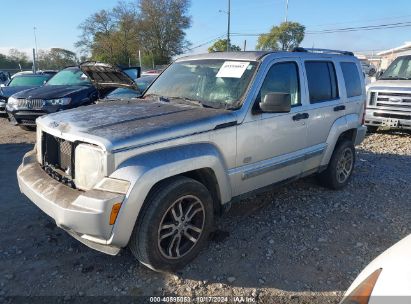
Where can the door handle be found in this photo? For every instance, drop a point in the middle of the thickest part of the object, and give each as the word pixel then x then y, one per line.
pixel 300 116
pixel 339 108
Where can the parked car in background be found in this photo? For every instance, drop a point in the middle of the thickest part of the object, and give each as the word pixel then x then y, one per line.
pixel 18 84
pixel 142 84
pixel 152 173
pixel 4 77
pixel 368 68
pixel 387 279
pixel 389 98
pixel 151 72
pixel 67 89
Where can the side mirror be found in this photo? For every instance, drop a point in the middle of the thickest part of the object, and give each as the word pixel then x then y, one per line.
pixel 276 103
pixel 379 74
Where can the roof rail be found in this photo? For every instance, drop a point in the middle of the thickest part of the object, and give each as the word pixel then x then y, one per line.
pixel 322 51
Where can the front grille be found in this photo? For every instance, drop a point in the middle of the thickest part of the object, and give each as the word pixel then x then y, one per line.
pixel 58 158
pixel 391 100
pixel 35 104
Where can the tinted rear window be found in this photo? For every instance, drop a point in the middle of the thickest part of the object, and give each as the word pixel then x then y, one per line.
pixel 351 78
pixel 322 81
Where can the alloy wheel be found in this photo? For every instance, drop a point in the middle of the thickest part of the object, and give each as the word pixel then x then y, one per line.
pixel 181 227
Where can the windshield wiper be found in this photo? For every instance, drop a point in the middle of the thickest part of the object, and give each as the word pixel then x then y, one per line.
pixel 158 97
pixel 395 78
pixel 187 100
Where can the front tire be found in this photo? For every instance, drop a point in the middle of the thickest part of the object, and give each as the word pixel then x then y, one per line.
pixel 174 224
pixel 341 166
pixel 372 129
pixel 28 128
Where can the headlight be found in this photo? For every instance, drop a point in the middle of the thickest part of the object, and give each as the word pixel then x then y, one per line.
pixel 59 102
pixel 90 167
pixel 12 102
pixel 362 293
pixel 39 143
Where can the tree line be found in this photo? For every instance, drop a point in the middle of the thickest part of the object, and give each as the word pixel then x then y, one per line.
pixel 156 28
pixel 53 59
pixel 285 37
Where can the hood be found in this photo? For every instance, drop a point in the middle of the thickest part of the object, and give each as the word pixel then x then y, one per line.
pixel 104 76
pixel 129 124
pixel 8 91
pixel 390 85
pixel 51 92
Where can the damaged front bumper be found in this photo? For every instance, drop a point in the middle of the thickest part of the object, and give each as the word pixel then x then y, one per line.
pixel 85 215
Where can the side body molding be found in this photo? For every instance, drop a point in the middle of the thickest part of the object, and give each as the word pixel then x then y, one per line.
pixel 145 170
pixel 341 125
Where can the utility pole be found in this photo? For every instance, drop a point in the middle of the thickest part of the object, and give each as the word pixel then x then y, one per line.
pixel 34 62
pixel 228 24
pixel 35 45
pixel 228 27
pixel 286 11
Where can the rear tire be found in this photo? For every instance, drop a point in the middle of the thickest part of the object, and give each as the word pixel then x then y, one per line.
pixel 173 225
pixel 341 166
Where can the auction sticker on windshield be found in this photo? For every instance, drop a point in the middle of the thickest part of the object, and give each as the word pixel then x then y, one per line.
pixel 232 69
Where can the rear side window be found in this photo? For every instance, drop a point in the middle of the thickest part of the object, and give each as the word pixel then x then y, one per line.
pixel 322 81
pixel 352 79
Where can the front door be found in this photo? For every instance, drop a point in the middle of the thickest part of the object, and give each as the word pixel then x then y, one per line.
pixel 270 146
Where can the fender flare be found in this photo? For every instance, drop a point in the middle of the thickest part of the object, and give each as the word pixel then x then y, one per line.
pixel 145 170
pixel 341 125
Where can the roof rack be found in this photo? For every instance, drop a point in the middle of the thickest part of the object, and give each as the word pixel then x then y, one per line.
pixel 322 51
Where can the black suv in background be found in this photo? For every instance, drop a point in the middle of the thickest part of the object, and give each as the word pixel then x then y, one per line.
pixel 68 89
pixel 18 84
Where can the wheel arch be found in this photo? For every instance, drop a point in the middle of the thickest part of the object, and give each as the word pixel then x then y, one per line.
pixel 343 128
pixel 201 162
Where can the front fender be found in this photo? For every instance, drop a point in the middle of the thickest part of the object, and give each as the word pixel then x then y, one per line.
pixel 341 125
pixel 144 171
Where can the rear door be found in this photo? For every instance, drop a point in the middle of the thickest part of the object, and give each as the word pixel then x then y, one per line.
pixel 325 105
pixel 354 83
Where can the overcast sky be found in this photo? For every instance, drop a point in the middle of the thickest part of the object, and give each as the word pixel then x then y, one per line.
pixel 57 22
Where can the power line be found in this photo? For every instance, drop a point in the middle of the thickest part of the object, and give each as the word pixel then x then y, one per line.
pixel 362 28
pixel 205 43
pixel 343 30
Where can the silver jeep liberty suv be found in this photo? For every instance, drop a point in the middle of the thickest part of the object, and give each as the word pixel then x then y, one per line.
pixel 151 173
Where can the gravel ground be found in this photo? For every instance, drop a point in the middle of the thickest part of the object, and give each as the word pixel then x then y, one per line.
pixel 295 244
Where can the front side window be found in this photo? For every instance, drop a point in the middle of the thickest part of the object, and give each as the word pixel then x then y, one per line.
pixel 70 76
pixel 399 69
pixel 352 79
pixel 322 81
pixel 213 82
pixel 282 78
pixel 21 81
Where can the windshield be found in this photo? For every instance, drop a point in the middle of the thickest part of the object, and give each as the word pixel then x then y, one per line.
pixel 214 83
pixel 71 76
pixel 21 81
pixel 400 69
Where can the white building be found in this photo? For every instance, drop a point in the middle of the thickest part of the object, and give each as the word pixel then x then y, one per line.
pixel 389 56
